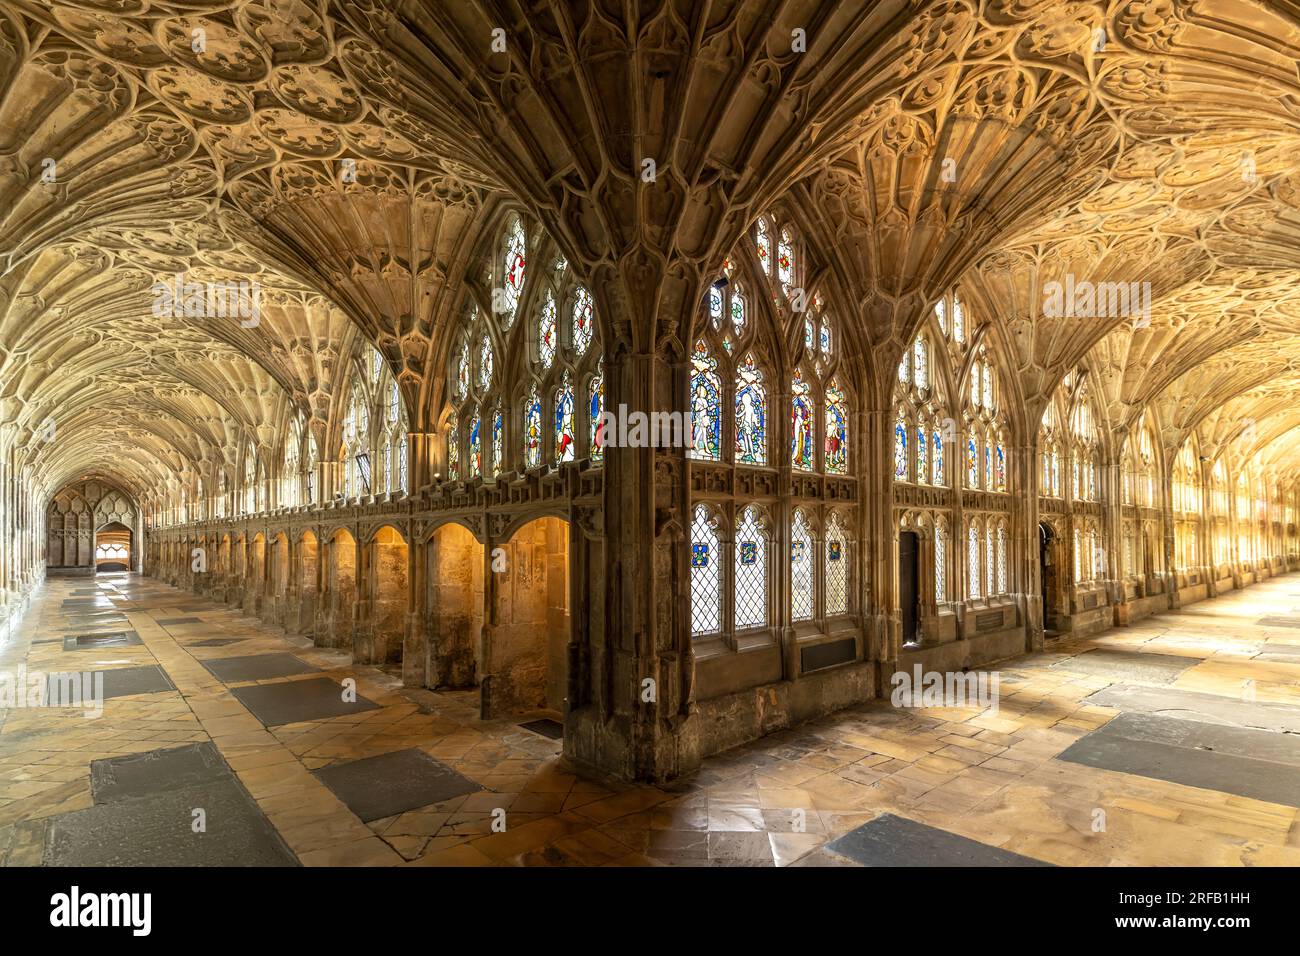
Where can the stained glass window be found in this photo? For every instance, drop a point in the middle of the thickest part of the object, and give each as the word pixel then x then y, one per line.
pixel 763 246
pixel 564 434
pixel 785 261
pixel 921 363
pixel 973 560
pixel 583 319
pixel 475 448
pixel 958 321
pixel 1001 459
pixel 532 429
pixel 386 463
pixel 936 459
pixel 738 312
pixel 802 601
pixel 904 371
pixel 986 380
pixel 312 457
pixel 462 370
pixel 922 465
pixel 972 464
pixel 394 403
pixel 498 438
pixel 546 327
pixel 941 313
pixel 809 333
pixel 485 363
pixel 940 566
pixel 837 578
pixel 706 578
pixel 715 306
pixel 706 415
pixel 802 421
pixel 825 331
pixel 988 466
pixel 900 450
pixel 837 430
pixel 403 466
pixel 595 406
pixel 751 571
pixel 513 263
pixel 751 414
pixel 975 385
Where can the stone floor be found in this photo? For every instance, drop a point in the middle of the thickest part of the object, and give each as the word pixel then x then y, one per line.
pixel 1198 769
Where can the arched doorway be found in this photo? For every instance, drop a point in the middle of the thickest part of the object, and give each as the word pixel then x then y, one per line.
pixel 277 599
pixel 526 651
pixel 255 581
pixel 454 578
pixel 380 637
pixel 342 588
pixel 307 594
pixel 113 548
pixel 1049 563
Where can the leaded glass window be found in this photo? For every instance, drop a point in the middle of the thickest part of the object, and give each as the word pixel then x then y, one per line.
pixel 802 421
pixel 706 418
pixel 837 578
pixel 802 598
pixel 485 363
pixel 751 414
pixel 475 448
pixel 564 434
pixel 940 566
pixel 973 560
pixel 583 320
pixel 546 331
pixel 595 406
pixel 900 450
pixel 706 579
pixel 751 571
pixel 837 430
pixel 498 439
pixel 532 428
pixel 763 246
pixel 513 265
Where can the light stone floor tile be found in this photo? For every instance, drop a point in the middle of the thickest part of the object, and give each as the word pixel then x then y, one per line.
pixel 778 801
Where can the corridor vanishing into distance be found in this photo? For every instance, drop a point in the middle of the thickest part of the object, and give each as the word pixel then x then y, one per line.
pixel 649 432
pixel 1172 742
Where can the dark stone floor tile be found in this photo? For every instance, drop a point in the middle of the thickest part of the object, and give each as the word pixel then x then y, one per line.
pixel 1129 665
pixel 136 775
pixel 545 728
pixel 291 702
pixel 392 783
pixel 128 681
pixel 889 840
pixel 232 670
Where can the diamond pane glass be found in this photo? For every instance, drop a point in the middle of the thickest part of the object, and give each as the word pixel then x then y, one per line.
pixel 801 568
pixel 706 583
pixel 837 579
pixel 973 561
pixel 751 572
pixel 940 566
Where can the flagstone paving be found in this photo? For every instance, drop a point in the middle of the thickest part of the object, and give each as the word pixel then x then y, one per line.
pixel 994 778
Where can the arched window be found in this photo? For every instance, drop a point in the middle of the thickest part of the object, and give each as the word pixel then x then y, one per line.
pixel 940 564
pixel 973 561
pixel 498 441
pixel 513 263
pixel 1049 445
pixel 1085 442
pixel 313 457
pixel 564 413
pixel 802 597
pixel 803 419
pixel 751 590
pixel 532 428
pixel 583 320
pixel 250 481
pixel 836 570
pixel 751 414
pixel 837 430
pixel 453 449
pixel 595 408
pixel 706 580
pixel 547 331
pixel 289 480
pixel 985 426
pixel 706 416
pixel 475 443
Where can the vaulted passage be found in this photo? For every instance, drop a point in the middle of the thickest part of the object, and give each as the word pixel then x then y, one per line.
pixel 639 419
